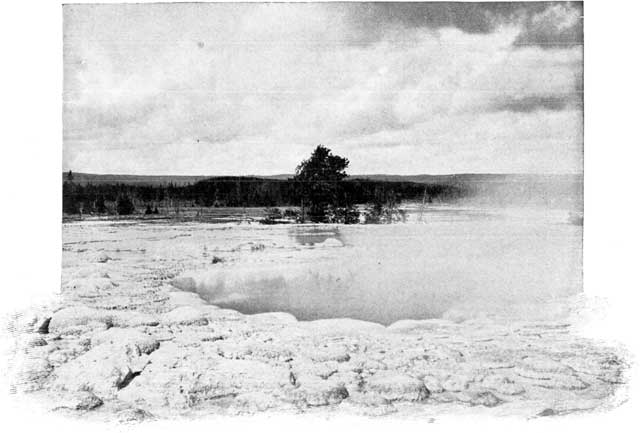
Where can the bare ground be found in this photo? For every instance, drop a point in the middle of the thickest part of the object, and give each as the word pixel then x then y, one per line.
pixel 122 343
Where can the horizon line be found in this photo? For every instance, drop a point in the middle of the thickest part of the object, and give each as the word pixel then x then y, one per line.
pixel 349 175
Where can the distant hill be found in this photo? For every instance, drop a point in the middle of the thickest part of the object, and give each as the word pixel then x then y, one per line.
pixel 472 178
pixel 132 179
pixel 462 178
pixel 491 190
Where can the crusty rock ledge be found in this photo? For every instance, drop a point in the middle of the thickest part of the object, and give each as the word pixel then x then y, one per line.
pixel 132 345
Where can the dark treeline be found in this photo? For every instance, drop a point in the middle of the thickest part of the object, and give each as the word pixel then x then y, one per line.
pixel 124 198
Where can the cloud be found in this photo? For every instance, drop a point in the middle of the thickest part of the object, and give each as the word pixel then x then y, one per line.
pixel 558 25
pixel 542 23
pixel 528 104
pixel 542 141
pixel 251 88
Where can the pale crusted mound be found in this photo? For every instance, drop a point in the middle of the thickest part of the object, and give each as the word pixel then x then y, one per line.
pixel 122 340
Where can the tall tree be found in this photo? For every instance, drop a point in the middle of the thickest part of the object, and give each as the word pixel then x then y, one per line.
pixel 124 205
pixel 100 205
pixel 70 204
pixel 319 179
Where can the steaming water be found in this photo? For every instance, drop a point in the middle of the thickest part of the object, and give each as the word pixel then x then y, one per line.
pixel 454 261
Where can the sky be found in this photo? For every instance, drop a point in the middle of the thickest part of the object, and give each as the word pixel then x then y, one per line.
pixel 252 88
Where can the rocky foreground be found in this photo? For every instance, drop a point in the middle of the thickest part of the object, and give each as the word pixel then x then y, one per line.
pixel 123 342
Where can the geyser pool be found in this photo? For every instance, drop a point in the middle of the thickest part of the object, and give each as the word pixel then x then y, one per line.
pixel 465 261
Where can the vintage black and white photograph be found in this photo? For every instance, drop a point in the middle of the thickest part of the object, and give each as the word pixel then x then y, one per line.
pixel 367 209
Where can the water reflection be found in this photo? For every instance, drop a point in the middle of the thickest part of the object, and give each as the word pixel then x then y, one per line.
pixel 311 235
